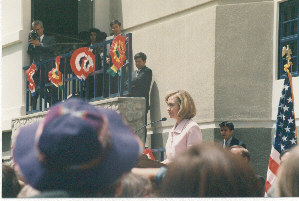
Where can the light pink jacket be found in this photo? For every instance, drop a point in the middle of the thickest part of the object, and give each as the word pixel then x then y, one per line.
pixel 186 134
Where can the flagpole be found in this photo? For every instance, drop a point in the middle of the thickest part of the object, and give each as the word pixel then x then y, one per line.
pixel 290 64
pixel 288 53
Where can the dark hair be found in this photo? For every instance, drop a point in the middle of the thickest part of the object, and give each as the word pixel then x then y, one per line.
pixel 207 170
pixel 115 22
pixel 101 36
pixel 140 55
pixel 228 124
pixel 10 184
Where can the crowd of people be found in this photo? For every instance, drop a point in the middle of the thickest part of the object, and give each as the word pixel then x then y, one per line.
pixel 80 150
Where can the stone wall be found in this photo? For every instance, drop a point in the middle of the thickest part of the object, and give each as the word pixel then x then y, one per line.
pixel 132 110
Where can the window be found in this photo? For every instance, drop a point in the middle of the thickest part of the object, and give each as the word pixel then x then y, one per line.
pixel 288 35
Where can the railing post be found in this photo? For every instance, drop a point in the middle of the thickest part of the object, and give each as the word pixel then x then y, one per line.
pixel 130 67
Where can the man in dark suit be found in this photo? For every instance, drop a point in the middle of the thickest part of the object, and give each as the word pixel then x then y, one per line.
pixel 227 131
pixel 41 47
pixel 141 80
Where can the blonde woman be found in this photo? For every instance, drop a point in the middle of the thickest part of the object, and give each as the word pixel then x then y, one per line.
pixel 185 132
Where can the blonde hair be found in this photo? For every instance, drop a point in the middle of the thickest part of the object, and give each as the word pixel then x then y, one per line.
pixel 288 175
pixel 187 107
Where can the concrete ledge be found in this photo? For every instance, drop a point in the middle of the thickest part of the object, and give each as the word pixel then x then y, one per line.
pixel 12 38
pixel 131 108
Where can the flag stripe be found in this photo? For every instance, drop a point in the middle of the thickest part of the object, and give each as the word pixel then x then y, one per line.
pixel 275 155
pixel 271 177
pixel 268 185
pixel 285 132
pixel 273 166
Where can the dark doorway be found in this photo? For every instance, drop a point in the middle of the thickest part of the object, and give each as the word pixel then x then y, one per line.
pixel 61 17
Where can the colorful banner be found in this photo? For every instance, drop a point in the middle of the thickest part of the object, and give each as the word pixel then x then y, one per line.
pixel 30 72
pixel 55 75
pixel 117 53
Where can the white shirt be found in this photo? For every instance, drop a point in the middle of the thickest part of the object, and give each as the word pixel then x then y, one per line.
pixel 227 143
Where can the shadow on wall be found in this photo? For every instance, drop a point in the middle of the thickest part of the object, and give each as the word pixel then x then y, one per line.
pixel 155 114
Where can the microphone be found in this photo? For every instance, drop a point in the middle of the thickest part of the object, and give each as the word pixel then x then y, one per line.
pixel 163 119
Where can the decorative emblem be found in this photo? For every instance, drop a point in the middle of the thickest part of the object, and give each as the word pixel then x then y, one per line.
pixel 287 51
pixel 30 72
pixel 55 75
pixel 82 62
pixel 117 53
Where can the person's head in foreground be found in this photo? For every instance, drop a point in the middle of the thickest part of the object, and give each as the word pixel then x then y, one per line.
pixel 240 151
pixel 288 175
pixel 77 148
pixel 10 184
pixel 207 170
pixel 134 185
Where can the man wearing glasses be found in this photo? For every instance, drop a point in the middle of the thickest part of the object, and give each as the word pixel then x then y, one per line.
pixel 41 47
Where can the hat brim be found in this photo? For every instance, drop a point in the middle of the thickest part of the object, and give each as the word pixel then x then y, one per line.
pixel 119 158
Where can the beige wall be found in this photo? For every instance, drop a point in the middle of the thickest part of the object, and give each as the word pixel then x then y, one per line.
pixel 180 50
pixel 102 15
pixel 243 78
pixel 136 12
pixel 15 27
pixel 11 23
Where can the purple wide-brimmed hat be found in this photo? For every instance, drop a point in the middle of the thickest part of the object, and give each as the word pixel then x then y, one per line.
pixel 76 147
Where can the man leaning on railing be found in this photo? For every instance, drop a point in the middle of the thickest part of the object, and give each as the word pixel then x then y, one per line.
pixel 41 47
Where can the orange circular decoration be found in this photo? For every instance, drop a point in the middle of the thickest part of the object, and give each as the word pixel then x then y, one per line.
pixel 118 50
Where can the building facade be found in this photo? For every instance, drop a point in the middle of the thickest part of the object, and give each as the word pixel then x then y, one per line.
pixel 224 52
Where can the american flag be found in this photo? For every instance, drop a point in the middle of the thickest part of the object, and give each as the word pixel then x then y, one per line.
pixel 285 133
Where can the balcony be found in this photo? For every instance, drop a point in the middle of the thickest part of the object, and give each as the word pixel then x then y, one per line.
pixel 97 86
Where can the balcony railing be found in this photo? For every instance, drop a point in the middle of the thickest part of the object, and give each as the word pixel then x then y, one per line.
pixel 97 86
